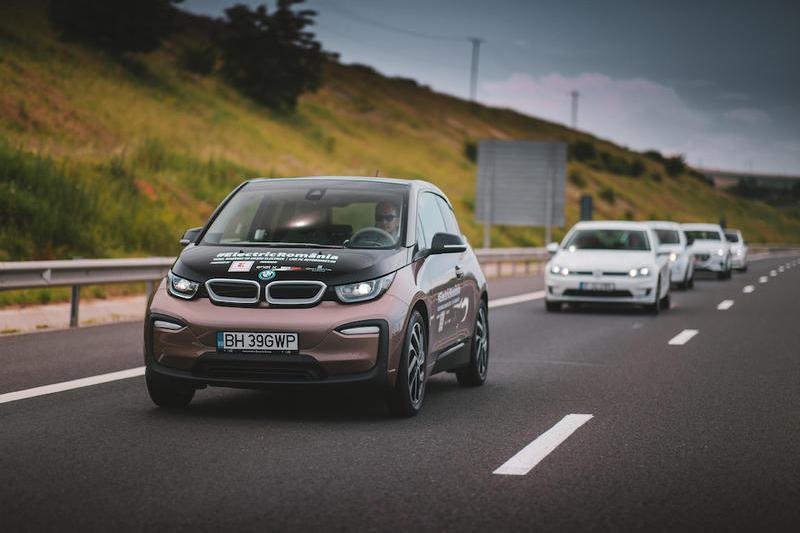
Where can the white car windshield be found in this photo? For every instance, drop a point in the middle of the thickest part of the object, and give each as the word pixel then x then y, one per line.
pixel 608 239
pixel 702 235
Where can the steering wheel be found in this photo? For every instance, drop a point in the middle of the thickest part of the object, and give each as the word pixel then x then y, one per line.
pixel 372 237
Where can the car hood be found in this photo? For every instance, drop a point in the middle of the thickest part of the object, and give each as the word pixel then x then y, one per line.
pixel 707 246
pixel 333 266
pixel 606 260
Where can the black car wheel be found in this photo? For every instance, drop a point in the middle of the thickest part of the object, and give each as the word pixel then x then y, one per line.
pixel 167 392
pixel 405 399
pixel 475 373
pixel 655 307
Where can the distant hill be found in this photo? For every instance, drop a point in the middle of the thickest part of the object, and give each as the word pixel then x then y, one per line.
pixel 107 157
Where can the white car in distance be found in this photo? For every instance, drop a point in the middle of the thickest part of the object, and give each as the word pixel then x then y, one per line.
pixel 608 262
pixel 672 242
pixel 738 248
pixel 711 250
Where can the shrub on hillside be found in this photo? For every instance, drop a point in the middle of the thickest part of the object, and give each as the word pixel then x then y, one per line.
pixel 199 60
pixel 577 179
pixel 581 150
pixel 471 150
pixel 116 26
pixel 608 194
pixel 675 166
pixel 271 57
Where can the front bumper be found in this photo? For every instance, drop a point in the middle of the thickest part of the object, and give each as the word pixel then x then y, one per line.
pixel 582 289
pixel 326 355
pixel 679 270
pixel 709 262
pixel 739 261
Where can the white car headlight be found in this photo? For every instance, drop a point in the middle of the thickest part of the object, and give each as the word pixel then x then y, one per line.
pixel 181 287
pixel 720 252
pixel 673 257
pixel 641 272
pixel 738 251
pixel 563 271
pixel 363 290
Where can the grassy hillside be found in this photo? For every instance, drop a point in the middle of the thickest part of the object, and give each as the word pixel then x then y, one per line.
pixel 106 157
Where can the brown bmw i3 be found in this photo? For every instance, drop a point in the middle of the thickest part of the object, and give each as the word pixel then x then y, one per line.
pixel 323 280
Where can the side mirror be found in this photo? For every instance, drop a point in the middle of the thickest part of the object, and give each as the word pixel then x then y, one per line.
pixel 552 248
pixel 190 236
pixel 447 243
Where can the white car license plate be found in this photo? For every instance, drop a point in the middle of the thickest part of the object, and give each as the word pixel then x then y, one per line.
pixel 248 341
pixel 589 286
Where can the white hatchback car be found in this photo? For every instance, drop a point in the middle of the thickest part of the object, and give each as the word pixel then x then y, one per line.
pixel 738 248
pixel 608 262
pixel 710 247
pixel 672 241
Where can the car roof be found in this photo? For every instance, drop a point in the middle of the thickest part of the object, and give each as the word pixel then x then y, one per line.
pixel 699 226
pixel 417 185
pixel 627 224
pixel 663 224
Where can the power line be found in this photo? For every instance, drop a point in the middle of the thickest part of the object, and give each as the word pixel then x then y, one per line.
pixel 347 13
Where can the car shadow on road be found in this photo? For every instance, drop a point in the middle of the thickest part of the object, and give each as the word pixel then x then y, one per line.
pixel 303 404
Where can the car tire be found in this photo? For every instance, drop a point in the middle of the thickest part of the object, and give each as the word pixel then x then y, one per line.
pixel 475 373
pixel 721 274
pixel 405 398
pixel 552 306
pixel 655 307
pixel 665 301
pixel 167 392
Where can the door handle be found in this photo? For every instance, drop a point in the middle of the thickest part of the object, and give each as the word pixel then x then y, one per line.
pixel 459 272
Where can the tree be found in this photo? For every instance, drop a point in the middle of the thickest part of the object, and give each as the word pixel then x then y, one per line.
pixel 116 26
pixel 271 57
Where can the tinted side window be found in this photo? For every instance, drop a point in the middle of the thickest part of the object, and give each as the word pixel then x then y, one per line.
pixel 449 217
pixel 430 218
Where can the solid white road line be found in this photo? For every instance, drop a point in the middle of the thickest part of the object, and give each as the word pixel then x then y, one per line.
pixel 520 298
pixel 763 279
pixel 748 289
pixel 724 305
pixel 533 453
pixel 683 337
pixel 773 273
pixel 69 385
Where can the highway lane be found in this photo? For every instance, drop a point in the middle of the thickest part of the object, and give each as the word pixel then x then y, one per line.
pixel 695 435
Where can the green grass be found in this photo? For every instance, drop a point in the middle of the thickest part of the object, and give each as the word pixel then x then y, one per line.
pixel 102 158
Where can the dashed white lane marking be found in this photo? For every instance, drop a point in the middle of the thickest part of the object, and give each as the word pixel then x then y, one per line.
pixel 781 269
pixel 773 273
pixel 69 385
pixel 683 337
pixel 532 454
pixel 724 305
pixel 748 289
pixel 520 298
pixel 763 279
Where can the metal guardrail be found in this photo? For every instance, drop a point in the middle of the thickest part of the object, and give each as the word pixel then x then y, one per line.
pixel 78 272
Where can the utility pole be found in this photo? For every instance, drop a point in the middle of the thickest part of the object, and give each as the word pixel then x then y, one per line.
pixel 575 96
pixel 473 78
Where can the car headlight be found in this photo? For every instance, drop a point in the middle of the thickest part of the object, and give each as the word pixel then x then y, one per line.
pixel 181 287
pixel 720 252
pixel 363 290
pixel 738 251
pixel 641 272
pixel 673 257
pixel 563 271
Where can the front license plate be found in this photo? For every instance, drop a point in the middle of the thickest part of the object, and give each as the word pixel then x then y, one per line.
pixel 248 341
pixel 589 286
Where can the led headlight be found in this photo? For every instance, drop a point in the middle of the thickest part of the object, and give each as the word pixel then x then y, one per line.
pixel 555 269
pixel 363 290
pixel 673 257
pixel 720 252
pixel 641 272
pixel 181 287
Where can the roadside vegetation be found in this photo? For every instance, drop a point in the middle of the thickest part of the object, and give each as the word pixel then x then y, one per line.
pixel 114 153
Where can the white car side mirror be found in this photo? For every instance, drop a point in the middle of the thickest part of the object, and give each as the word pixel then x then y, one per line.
pixel 552 247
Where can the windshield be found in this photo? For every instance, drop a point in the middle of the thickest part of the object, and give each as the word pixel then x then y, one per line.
pixel 732 237
pixel 312 213
pixel 608 239
pixel 668 236
pixel 702 235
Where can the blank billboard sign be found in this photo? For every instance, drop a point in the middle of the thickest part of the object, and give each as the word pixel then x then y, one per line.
pixel 521 183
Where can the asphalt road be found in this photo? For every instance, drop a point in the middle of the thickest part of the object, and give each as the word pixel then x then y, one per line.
pixel 697 436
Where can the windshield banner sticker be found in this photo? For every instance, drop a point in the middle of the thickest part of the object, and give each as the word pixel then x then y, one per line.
pixel 271 258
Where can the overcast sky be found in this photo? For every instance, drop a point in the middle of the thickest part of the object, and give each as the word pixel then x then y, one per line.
pixel 717 81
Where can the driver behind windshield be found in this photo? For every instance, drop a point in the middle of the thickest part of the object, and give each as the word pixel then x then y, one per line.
pixel 387 218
